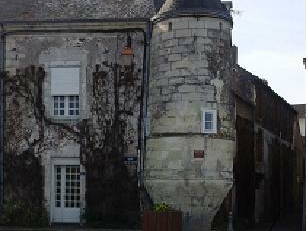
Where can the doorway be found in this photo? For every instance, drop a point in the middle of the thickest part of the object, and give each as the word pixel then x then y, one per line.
pixel 66 194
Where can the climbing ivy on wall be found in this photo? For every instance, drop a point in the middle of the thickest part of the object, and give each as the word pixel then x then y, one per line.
pixel 112 193
pixel 23 177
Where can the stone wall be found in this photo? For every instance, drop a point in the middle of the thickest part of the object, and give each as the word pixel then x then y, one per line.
pixel 190 70
pixel 89 137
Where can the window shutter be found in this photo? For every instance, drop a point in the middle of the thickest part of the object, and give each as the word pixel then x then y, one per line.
pixel 64 81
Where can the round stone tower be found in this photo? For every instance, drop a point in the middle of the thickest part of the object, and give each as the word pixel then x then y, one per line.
pixel 191 140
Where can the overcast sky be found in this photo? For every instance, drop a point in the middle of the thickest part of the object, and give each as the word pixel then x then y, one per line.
pixel 270 35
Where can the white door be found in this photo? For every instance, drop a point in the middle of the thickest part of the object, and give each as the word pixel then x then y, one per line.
pixel 66 194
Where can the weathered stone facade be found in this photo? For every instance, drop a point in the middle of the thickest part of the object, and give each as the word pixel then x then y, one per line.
pixel 190 70
pixel 105 132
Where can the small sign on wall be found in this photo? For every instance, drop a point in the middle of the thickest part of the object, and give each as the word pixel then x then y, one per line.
pixel 198 153
pixel 130 160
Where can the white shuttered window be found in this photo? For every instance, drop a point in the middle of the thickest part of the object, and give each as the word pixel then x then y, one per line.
pixel 65 80
pixel 65 90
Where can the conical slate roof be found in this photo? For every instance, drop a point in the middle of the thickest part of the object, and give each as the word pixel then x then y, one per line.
pixel 173 8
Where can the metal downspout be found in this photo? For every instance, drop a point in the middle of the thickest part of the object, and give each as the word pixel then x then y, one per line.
pixel 143 109
pixel 146 87
pixel 2 112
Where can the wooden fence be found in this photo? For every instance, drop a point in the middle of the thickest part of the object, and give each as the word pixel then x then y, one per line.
pixel 162 221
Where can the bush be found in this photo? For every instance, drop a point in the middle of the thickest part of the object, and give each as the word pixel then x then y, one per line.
pixel 21 213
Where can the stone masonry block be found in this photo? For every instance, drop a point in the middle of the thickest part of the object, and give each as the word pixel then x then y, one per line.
pixel 179 24
pixel 172 73
pixel 196 24
pixel 177 97
pixel 171 43
pixel 201 64
pixel 167 35
pixel 198 32
pixel 185 72
pixel 175 57
pixel 182 33
pixel 180 49
pixel 164 67
pixel 212 23
pixel 203 71
pixel 162 82
pixel 192 80
pixel 187 88
pixel 180 64
pixel 176 80
pixel 192 96
pixel 185 41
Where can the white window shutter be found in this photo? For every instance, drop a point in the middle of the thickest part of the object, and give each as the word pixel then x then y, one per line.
pixel 65 81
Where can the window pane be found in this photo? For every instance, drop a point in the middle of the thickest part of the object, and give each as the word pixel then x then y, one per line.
pixel 208 116
pixel 61 112
pixel 71 112
pixel 58 204
pixel 208 125
pixel 56 112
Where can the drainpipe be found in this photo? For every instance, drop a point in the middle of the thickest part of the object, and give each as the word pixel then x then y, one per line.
pixel 2 107
pixel 145 94
pixel 143 113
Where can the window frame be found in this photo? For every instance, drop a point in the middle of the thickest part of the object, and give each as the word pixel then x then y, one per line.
pixel 214 121
pixel 66 108
pixel 66 57
pixel 51 104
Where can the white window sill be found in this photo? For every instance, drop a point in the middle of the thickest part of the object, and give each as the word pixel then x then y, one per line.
pixel 65 119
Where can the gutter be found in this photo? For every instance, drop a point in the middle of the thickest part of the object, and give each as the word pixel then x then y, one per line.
pixel 2 112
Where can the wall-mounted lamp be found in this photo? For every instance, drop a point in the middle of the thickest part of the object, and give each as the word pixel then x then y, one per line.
pixel 127 53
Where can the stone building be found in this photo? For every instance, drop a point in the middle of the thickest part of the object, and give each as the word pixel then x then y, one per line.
pixel 111 106
pixel 269 166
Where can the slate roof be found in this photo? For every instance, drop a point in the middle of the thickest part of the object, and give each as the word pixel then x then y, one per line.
pixel 172 8
pixel 32 10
